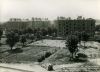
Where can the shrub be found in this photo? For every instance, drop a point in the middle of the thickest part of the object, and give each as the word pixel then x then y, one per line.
pixel 81 57
pixel 50 68
pixel 47 54
pixel 17 50
pixel 41 59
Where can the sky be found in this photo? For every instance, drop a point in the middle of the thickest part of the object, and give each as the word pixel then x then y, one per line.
pixel 49 8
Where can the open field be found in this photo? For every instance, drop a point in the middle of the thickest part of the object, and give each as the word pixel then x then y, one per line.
pixel 34 50
pixel 50 43
pixel 59 58
pixel 61 43
pixel 28 54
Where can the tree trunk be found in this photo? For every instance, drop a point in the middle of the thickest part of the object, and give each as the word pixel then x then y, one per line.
pixel 0 42
pixel 23 45
pixel 11 48
pixel 80 43
pixel 72 56
pixel 75 52
pixel 32 40
pixel 84 44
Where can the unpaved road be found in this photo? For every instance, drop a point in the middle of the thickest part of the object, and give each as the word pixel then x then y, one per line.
pixel 4 67
pixel 21 68
pixel 9 69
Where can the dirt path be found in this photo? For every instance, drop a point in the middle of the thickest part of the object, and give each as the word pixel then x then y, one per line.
pixel 5 69
pixel 67 65
pixel 21 68
pixel 37 68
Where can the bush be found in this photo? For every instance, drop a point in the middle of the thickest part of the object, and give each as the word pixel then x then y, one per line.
pixel 41 59
pixel 81 57
pixel 50 68
pixel 17 50
pixel 47 54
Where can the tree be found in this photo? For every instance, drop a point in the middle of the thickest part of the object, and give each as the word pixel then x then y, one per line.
pixel 1 32
pixel 97 27
pixel 85 37
pixel 29 30
pixel 23 40
pixel 39 35
pixel 44 32
pixel 54 32
pixel 49 31
pixel 12 39
pixel 35 30
pixel 16 31
pixel 71 43
pixel 32 37
pixel 79 35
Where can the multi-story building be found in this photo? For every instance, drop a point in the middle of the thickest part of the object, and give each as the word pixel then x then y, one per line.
pixel 15 23
pixel 39 23
pixel 69 26
pixel 21 24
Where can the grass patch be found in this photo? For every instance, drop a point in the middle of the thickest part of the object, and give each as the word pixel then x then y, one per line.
pixel 29 54
pixel 60 57
pixel 17 50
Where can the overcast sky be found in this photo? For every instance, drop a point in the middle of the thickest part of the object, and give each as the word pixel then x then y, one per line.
pixel 49 8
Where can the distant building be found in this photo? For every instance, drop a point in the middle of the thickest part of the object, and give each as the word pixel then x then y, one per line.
pixel 15 23
pixel 40 23
pixel 21 24
pixel 66 26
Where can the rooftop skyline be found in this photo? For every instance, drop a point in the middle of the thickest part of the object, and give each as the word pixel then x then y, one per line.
pixel 49 8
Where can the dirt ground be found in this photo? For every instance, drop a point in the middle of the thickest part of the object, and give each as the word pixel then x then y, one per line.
pixel 34 50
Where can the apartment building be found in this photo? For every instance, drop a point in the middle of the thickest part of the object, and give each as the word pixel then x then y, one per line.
pixel 42 23
pixel 16 23
pixel 66 26
pixel 21 24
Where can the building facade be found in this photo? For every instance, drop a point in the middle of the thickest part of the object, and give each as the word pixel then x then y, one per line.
pixel 15 23
pixel 69 26
pixel 41 23
pixel 21 24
